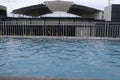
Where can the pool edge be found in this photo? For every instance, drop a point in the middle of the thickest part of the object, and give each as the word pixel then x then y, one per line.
pixel 63 37
pixel 39 78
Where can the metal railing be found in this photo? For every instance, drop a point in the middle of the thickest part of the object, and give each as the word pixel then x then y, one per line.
pixel 80 29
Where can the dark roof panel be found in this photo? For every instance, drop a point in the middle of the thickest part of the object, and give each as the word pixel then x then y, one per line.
pixel 42 9
pixel 36 10
pixel 82 10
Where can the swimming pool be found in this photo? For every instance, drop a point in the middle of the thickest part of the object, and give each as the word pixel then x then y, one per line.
pixel 60 58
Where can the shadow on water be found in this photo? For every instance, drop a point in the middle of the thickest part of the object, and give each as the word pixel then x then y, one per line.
pixel 1 65
pixel 60 58
pixel 116 66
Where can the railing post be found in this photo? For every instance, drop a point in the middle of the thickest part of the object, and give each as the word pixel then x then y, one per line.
pixel 52 30
pixel 23 29
pixel 66 30
pixel 3 31
pixel 63 30
pixel 45 29
pixel 4 28
pixel 119 29
pixel 105 29
pixel 84 31
pixel 107 25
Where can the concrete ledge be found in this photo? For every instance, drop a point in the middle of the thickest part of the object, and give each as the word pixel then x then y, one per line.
pixel 64 37
pixel 39 78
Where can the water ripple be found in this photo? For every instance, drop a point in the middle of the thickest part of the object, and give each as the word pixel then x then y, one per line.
pixel 116 66
pixel 113 54
pixel 89 58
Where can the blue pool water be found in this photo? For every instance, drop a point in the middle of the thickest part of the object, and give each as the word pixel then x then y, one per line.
pixel 60 58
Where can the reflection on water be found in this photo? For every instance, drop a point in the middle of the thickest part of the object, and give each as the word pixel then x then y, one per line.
pixel 60 58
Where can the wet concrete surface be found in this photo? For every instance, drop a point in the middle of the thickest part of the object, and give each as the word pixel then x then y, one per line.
pixel 38 78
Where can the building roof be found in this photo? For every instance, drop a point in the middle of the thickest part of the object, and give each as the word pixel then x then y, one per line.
pixel 2 7
pixel 53 6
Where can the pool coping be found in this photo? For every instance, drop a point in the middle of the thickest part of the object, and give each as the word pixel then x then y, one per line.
pixel 39 78
pixel 63 37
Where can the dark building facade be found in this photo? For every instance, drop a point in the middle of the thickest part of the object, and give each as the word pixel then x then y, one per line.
pixel 112 13
pixel 3 11
pixel 115 13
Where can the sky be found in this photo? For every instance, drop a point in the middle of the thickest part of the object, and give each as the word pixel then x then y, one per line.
pixel 15 4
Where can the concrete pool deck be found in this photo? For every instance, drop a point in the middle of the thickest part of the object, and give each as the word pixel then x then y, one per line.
pixel 39 78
